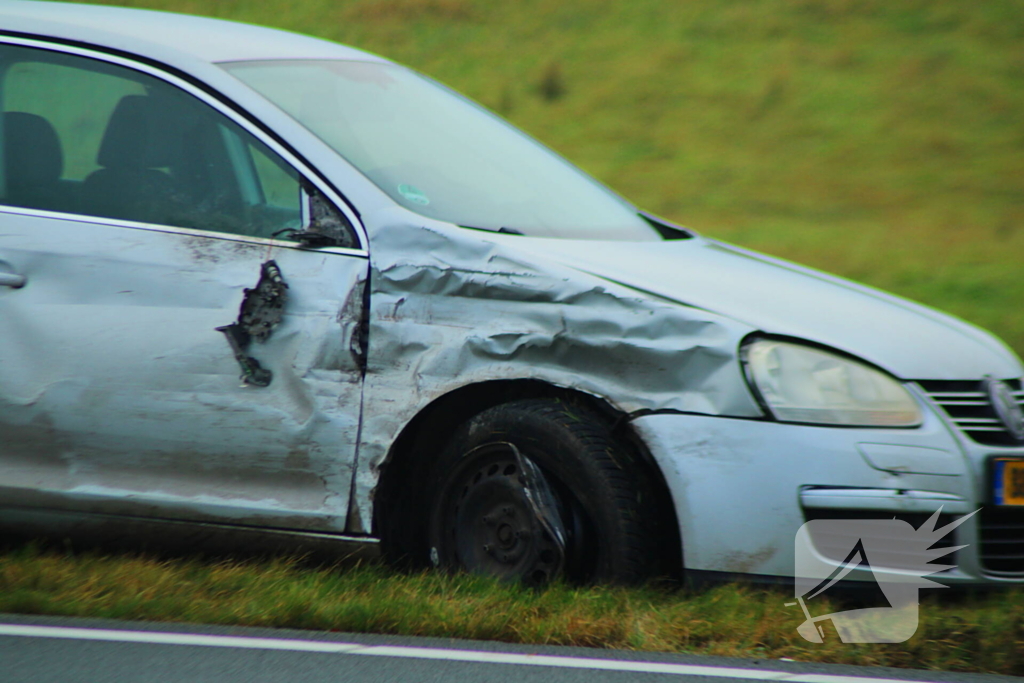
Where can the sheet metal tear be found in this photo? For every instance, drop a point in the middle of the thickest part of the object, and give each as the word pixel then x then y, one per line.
pixel 544 505
pixel 259 315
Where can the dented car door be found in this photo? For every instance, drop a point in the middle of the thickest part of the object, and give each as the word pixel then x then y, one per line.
pixel 181 307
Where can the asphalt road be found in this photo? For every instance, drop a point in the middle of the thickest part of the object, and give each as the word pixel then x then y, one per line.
pixel 42 649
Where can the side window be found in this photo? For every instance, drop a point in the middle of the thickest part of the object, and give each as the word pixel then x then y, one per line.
pixel 84 136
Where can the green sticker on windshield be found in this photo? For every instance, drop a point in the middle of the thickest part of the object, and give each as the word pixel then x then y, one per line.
pixel 413 194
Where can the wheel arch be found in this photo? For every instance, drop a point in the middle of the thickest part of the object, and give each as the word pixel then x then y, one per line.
pixel 397 500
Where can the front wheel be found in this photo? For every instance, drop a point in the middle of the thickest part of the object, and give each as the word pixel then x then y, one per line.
pixel 538 489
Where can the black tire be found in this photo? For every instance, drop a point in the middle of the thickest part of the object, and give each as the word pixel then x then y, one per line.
pixel 481 519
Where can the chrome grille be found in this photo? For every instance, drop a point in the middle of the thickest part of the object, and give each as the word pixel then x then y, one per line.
pixel 968 405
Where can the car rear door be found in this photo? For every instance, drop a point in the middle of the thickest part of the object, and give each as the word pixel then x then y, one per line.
pixel 180 304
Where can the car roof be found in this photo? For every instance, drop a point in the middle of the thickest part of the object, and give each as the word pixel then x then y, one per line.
pixel 153 32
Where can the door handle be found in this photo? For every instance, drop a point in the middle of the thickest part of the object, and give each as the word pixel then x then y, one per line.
pixel 12 280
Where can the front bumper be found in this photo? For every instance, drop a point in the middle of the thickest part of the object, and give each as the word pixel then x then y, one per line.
pixel 743 488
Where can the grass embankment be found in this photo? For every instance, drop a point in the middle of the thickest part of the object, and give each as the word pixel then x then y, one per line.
pixel 878 140
pixel 977 634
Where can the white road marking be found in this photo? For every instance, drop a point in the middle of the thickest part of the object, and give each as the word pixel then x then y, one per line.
pixel 160 638
pixel 157 638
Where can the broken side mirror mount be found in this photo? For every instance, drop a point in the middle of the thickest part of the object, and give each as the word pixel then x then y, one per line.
pixel 323 225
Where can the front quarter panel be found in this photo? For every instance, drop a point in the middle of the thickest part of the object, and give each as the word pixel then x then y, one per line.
pixel 450 308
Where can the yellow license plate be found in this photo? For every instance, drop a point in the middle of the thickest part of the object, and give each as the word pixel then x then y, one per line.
pixel 1009 482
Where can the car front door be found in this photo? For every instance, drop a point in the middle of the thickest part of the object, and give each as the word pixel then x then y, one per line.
pixel 180 305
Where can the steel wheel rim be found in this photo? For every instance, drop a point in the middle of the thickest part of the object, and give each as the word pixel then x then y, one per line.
pixel 488 525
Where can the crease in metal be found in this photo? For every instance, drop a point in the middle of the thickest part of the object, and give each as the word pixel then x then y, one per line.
pixel 451 310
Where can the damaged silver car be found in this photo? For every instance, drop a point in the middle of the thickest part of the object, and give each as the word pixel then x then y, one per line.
pixel 266 286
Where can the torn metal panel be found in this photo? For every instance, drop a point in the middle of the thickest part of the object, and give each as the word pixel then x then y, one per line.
pixel 546 518
pixel 144 414
pixel 259 315
pixel 450 308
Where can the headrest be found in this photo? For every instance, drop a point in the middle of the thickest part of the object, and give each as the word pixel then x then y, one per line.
pixel 32 153
pixel 142 133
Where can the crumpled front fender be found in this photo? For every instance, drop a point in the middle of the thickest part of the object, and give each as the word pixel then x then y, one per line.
pixel 449 308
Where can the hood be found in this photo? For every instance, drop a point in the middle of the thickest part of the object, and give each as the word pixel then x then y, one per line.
pixel 909 340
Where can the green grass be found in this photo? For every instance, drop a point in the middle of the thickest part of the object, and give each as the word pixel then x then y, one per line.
pixel 878 140
pixel 977 634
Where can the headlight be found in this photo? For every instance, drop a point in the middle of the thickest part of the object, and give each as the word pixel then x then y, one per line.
pixel 803 384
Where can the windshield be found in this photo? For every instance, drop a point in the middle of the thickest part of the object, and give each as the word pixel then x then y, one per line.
pixel 440 155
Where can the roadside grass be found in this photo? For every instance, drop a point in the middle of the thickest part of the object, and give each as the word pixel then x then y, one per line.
pixel 880 141
pixel 976 634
